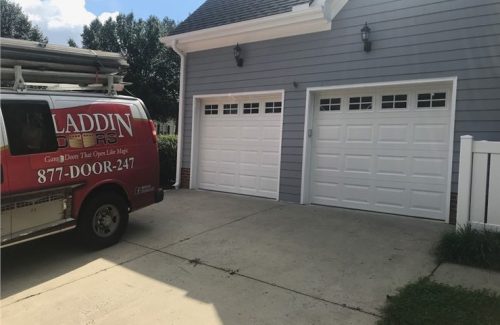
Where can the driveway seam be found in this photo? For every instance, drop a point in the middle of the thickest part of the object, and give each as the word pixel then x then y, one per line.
pixel 236 272
pixel 215 228
pixel 434 270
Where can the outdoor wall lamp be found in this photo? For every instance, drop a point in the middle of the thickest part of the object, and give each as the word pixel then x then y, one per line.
pixel 365 37
pixel 237 55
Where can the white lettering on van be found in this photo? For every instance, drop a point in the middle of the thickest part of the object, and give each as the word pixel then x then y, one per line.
pixel 126 124
pixel 97 122
pixel 82 122
pixel 70 122
pixel 101 117
pixel 112 122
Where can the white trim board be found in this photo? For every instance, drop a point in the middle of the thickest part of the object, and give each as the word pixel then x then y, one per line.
pixel 303 19
pixel 196 117
pixel 307 143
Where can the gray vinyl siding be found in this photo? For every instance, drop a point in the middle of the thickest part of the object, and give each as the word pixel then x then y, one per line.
pixel 412 39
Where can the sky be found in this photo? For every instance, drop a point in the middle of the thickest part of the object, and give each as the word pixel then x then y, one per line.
pixel 60 20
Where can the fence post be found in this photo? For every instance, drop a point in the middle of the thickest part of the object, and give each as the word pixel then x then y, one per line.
pixel 464 180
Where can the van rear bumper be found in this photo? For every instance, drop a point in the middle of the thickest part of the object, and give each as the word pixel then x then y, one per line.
pixel 159 195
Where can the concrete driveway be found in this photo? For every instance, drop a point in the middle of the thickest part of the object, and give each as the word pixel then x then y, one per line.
pixel 212 258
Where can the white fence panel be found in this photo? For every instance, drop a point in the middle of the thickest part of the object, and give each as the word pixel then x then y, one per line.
pixel 494 191
pixel 168 127
pixel 479 184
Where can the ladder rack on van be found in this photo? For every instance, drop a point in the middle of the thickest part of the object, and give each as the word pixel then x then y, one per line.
pixel 41 66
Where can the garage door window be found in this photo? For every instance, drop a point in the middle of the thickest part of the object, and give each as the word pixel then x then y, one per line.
pixel 329 104
pixel 431 100
pixel 211 109
pixel 273 107
pixel 363 103
pixel 230 109
pixel 394 101
pixel 251 108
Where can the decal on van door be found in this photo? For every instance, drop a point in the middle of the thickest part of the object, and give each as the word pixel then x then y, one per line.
pixel 94 140
pixel 57 174
pixel 80 127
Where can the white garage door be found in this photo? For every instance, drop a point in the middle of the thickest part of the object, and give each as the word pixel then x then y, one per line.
pixel 382 149
pixel 239 145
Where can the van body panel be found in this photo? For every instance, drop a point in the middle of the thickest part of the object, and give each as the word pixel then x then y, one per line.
pixel 100 141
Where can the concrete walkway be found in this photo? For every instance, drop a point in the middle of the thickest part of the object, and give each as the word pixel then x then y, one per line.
pixel 468 277
pixel 212 258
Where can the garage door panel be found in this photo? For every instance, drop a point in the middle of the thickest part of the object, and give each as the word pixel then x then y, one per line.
pixel 427 201
pixel 359 134
pixel 431 134
pixel 250 156
pixel 326 192
pixel 392 165
pixel 248 182
pixel 268 184
pixel 430 167
pixel 356 193
pixel 387 160
pixel 328 162
pixel 330 133
pixel 271 133
pixel 393 134
pixel 357 163
pixel 394 197
pixel 239 153
pixel 270 159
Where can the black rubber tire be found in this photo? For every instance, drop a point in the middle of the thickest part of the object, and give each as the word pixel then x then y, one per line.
pixel 87 233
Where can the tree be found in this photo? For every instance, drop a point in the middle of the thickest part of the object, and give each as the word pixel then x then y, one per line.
pixel 15 24
pixel 72 43
pixel 153 70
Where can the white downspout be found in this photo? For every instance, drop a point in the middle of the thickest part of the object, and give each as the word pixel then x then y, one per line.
pixel 181 114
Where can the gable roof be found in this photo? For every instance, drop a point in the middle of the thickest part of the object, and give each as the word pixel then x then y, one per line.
pixel 213 13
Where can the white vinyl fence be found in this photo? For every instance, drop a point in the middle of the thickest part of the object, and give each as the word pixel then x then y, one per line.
pixel 479 184
pixel 168 127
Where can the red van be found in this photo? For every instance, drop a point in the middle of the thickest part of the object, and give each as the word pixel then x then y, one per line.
pixel 74 160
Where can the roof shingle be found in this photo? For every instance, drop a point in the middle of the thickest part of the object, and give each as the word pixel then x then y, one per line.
pixel 215 13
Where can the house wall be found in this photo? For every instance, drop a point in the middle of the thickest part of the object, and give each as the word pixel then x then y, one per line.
pixel 412 39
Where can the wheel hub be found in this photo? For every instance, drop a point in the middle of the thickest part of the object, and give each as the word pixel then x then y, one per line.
pixel 106 220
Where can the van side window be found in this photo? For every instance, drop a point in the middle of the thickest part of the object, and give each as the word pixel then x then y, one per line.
pixel 29 126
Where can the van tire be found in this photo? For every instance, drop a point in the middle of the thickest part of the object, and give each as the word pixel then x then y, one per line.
pixel 102 220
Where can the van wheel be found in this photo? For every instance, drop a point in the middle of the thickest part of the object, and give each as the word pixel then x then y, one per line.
pixel 103 220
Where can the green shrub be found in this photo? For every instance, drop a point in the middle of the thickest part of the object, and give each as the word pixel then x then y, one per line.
pixel 428 302
pixel 167 148
pixel 470 247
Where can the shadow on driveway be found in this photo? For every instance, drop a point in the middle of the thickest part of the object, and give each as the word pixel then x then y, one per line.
pixel 261 262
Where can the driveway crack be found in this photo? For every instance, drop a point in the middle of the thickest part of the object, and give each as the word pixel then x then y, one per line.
pixel 236 272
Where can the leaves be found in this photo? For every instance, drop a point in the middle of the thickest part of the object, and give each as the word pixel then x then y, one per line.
pixel 72 43
pixel 15 24
pixel 154 69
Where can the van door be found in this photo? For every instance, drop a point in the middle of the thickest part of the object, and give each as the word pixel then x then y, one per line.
pixel 33 184
pixel 4 187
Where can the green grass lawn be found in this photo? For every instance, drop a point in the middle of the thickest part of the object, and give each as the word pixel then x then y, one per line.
pixel 428 302
pixel 470 247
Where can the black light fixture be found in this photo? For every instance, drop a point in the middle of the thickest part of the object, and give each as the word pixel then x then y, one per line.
pixel 365 37
pixel 237 55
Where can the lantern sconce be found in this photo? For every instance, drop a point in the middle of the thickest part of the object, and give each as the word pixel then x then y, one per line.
pixel 237 55
pixel 365 37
